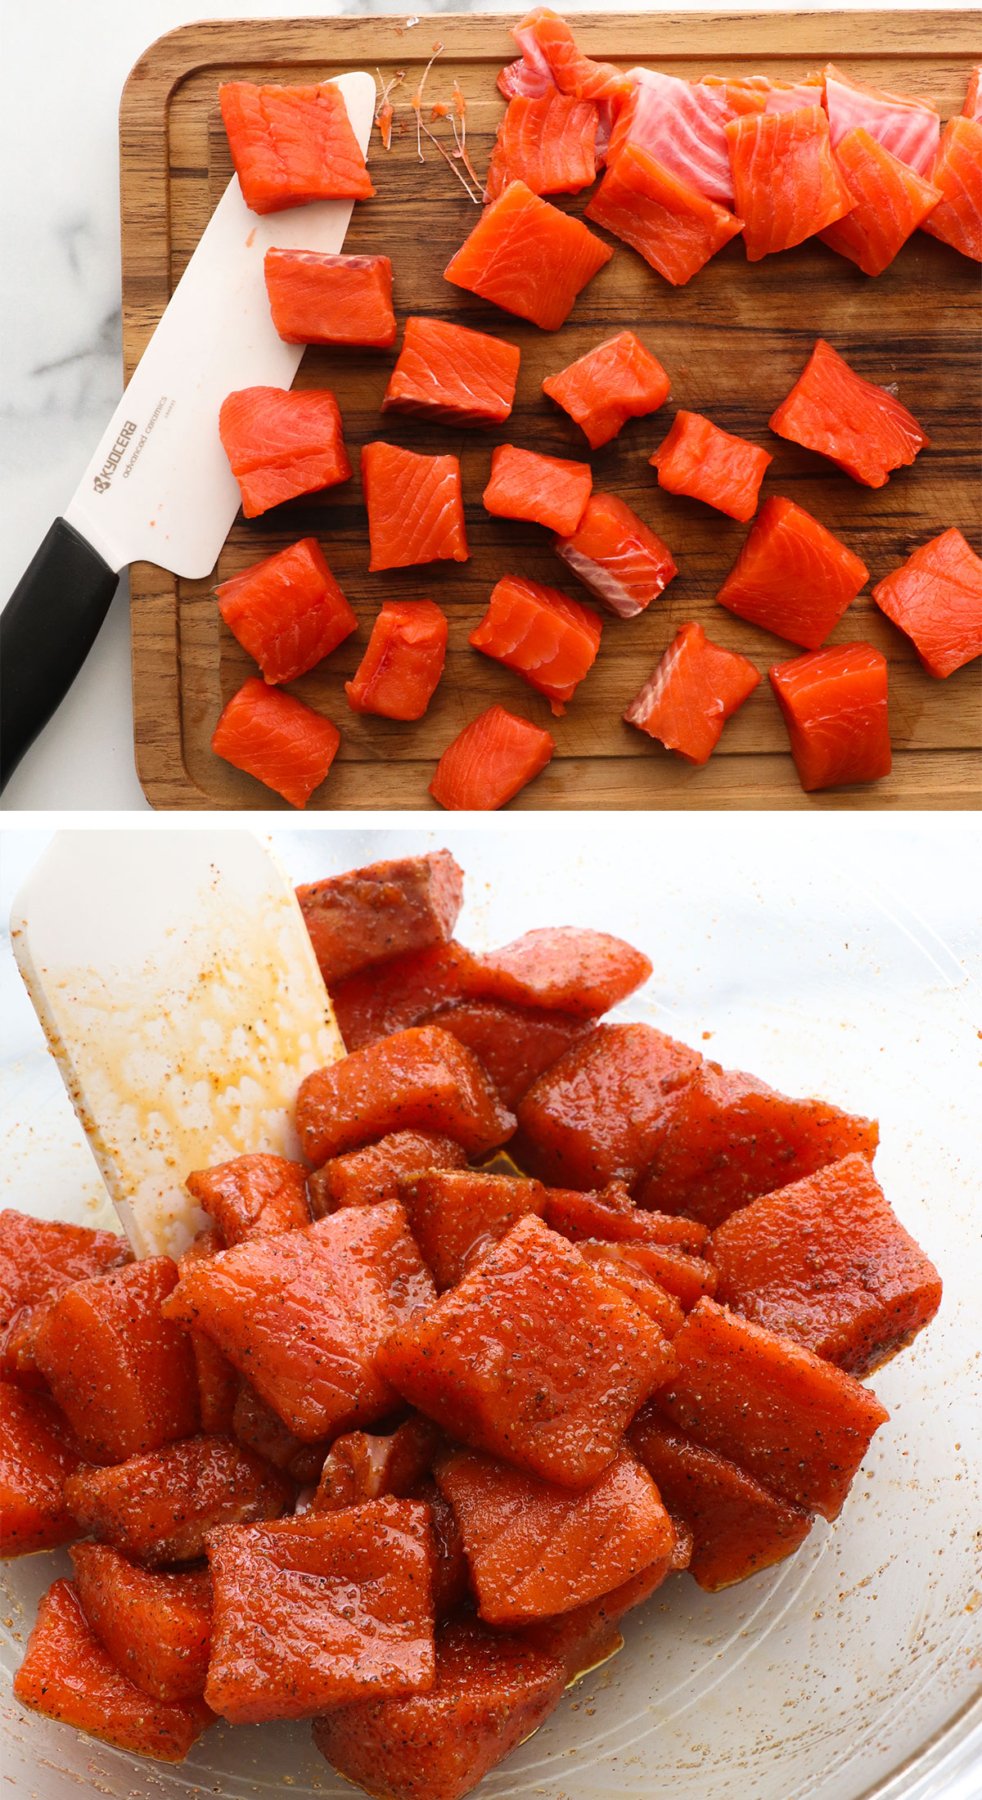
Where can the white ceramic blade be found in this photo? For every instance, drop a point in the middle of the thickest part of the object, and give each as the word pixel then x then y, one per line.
pixel 158 488
pixel 179 992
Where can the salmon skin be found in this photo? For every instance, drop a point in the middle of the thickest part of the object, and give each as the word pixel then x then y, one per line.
pixel 548 142
pixel 957 218
pixel 891 201
pixel 549 48
pixel 859 426
pixel 528 257
pixel 288 611
pixel 490 761
pixel 550 640
pixel 680 123
pixel 400 670
pixel 702 460
pixel 545 489
pixel 617 556
pixel 792 576
pixel 785 178
pixel 315 298
pixel 415 507
pixel 291 145
pixel 696 687
pixel 936 598
pixel 835 707
pixel 281 444
pixel 664 218
pixel 275 737
pixel 909 129
pixel 450 373
pixel 615 381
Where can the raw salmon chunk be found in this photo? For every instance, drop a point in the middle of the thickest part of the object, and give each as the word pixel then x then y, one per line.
pixel 367 1177
pixel 536 1550
pixel 685 1278
pixel 835 707
pixel 39 1258
pixel 548 143
pixel 563 966
pixel 547 40
pixel 287 612
pixel 277 739
pixel 588 1636
pixel 527 257
pixel 258 1428
pixel 312 1612
pixel 360 1466
pixel 302 1314
pixel 122 1374
pixel 456 1215
pixel 218 1382
pixel 490 761
pixel 702 460
pixel 415 507
pixel 617 556
pixel 696 687
pixel 679 123
pixel 891 201
pixel 404 991
pixel 625 1274
pixel 737 1526
pixel 36 1457
pixel 857 425
pixel 513 1044
pixel 792 576
pixel 317 298
pixel 252 1195
pixel 592 1117
pixel 612 1216
pixel 281 444
pixel 544 636
pixel 533 1358
pixel 422 1079
pixel 67 1675
pixel 935 597
pixel 367 915
pixel 957 218
pixel 663 217
pixel 908 128
pixel 616 381
pixel 155 1624
pixel 291 145
pixel 451 373
pixel 800 1426
pixel 724 1138
pixel 401 668
pixel 159 1508
pixel 785 178
pixel 491 1691
pixel 827 1263
pixel 546 489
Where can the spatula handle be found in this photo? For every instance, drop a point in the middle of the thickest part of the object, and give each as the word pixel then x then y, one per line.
pixel 47 629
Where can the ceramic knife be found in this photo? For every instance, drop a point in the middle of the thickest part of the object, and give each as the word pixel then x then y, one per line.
pixel 158 487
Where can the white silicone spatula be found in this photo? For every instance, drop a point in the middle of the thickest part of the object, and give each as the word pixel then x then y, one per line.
pixel 180 995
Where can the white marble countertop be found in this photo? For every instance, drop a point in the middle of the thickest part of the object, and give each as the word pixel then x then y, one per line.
pixel 60 328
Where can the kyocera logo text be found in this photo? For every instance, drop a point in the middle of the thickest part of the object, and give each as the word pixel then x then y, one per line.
pixel 105 475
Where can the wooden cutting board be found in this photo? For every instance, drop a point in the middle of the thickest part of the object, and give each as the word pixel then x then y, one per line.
pixel 733 341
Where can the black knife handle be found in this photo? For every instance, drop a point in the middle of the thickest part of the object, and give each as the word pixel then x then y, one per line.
pixel 47 629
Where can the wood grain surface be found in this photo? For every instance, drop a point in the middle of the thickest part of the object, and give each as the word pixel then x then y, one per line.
pixel 733 342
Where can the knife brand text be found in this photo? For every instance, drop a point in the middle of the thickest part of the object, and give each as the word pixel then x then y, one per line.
pixel 105 475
